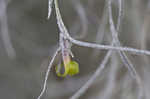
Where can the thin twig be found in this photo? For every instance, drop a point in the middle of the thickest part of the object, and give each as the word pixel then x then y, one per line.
pixel 117 43
pixel 123 56
pixel 60 22
pixel 125 59
pixel 47 73
pixel 65 32
pixel 101 30
pixel 108 47
pixel 84 88
pixel 120 15
pixel 111 80
pixel 66 35
pixel 50 2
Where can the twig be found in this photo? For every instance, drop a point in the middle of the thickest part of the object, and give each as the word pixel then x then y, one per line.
pixel 111 80
pixel 117 43
pixel 65 32
pixel 107 47
pixel 50 2
pixel 84 88
pixel 65 35
pixel 123 56
pixel 60 23
pixel 47 73
pixel 101 29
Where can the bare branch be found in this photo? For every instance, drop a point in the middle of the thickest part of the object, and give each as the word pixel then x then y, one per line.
pixel 123 56
pixel 50 2
pixel 107 47
pixel 60 23
pixel 111 80
pixel 98 71
pixel 47 73
pixel 65 32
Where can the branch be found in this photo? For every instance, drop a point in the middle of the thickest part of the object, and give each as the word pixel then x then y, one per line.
pixel 98 71
pixel 108 47
pixel 123 56
pixel 50 2
pixel 65 32
pixel 65 35
pixel 47 73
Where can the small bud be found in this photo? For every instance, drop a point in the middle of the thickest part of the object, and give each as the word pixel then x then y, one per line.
pixel 71 68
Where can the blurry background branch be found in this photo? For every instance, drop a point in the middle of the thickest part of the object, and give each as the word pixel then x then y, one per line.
pixel 5 36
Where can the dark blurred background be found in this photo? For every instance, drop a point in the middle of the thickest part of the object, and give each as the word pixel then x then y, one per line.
pixel 28 41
